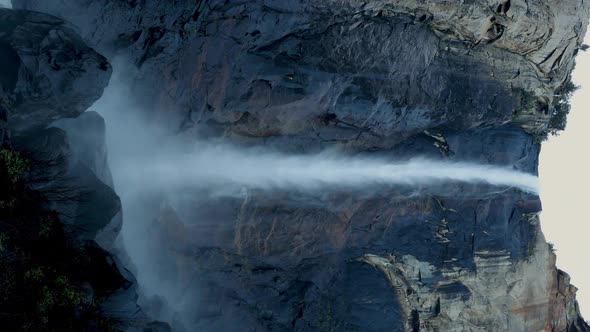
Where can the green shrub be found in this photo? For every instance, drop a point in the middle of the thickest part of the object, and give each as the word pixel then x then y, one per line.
pixel 68 295
pixel 9 204
pixel 57 296
pixel 41 266
pixel 527 100
pixel 34 275
pixel 47 227
pixel 3 239
pixel 46 300
pixel 14 163
pixel 561 107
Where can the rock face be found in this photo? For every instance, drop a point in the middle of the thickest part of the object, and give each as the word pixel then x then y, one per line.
pixel 89 153
pixel 72 188
pixel 462 80
pixel 49 73
pixel 87 136
pixel 52 72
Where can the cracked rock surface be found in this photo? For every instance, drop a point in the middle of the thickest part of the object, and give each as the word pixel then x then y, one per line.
pixel 460 80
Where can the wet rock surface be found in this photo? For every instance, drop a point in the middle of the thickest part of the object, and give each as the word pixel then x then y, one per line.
pixel 469 80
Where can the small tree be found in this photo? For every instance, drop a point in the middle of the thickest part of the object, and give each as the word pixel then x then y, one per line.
pixel 561 107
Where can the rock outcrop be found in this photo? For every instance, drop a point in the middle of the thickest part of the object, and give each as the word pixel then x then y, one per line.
pixel 461 80
pixel 87 136
pixel 65 198
pixel 88 155
pixel 48 72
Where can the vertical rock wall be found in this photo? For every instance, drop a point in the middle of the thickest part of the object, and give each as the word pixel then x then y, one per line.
pixel 462 80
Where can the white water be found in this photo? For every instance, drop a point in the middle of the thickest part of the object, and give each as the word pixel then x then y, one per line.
pixel 145 160
pixel 217 164
pixel 143 156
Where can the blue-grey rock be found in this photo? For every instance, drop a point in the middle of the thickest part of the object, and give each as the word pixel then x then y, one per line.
pixel 48 71
pixel 469 80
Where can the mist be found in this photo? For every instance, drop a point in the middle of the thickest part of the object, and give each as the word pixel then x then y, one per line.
pixel 210 164
pixel 151 166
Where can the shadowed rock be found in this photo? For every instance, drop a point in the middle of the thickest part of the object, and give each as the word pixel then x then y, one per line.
pixel 470 80
pixel 48 72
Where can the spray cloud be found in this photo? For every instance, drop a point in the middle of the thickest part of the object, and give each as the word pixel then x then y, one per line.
pixel 210 164
pixel 145 159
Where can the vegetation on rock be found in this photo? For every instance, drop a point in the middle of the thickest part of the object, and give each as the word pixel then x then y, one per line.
pixel 561 107
pixel 14 163
pixel 42 268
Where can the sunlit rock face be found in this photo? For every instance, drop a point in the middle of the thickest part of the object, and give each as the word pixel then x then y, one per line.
pixel 469 80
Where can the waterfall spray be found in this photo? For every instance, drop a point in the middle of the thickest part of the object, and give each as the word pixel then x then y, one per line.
pixel 146 162
pixel 219 164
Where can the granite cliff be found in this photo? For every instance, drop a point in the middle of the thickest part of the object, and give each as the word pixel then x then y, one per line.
pixel 462 80
pixel 55 193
